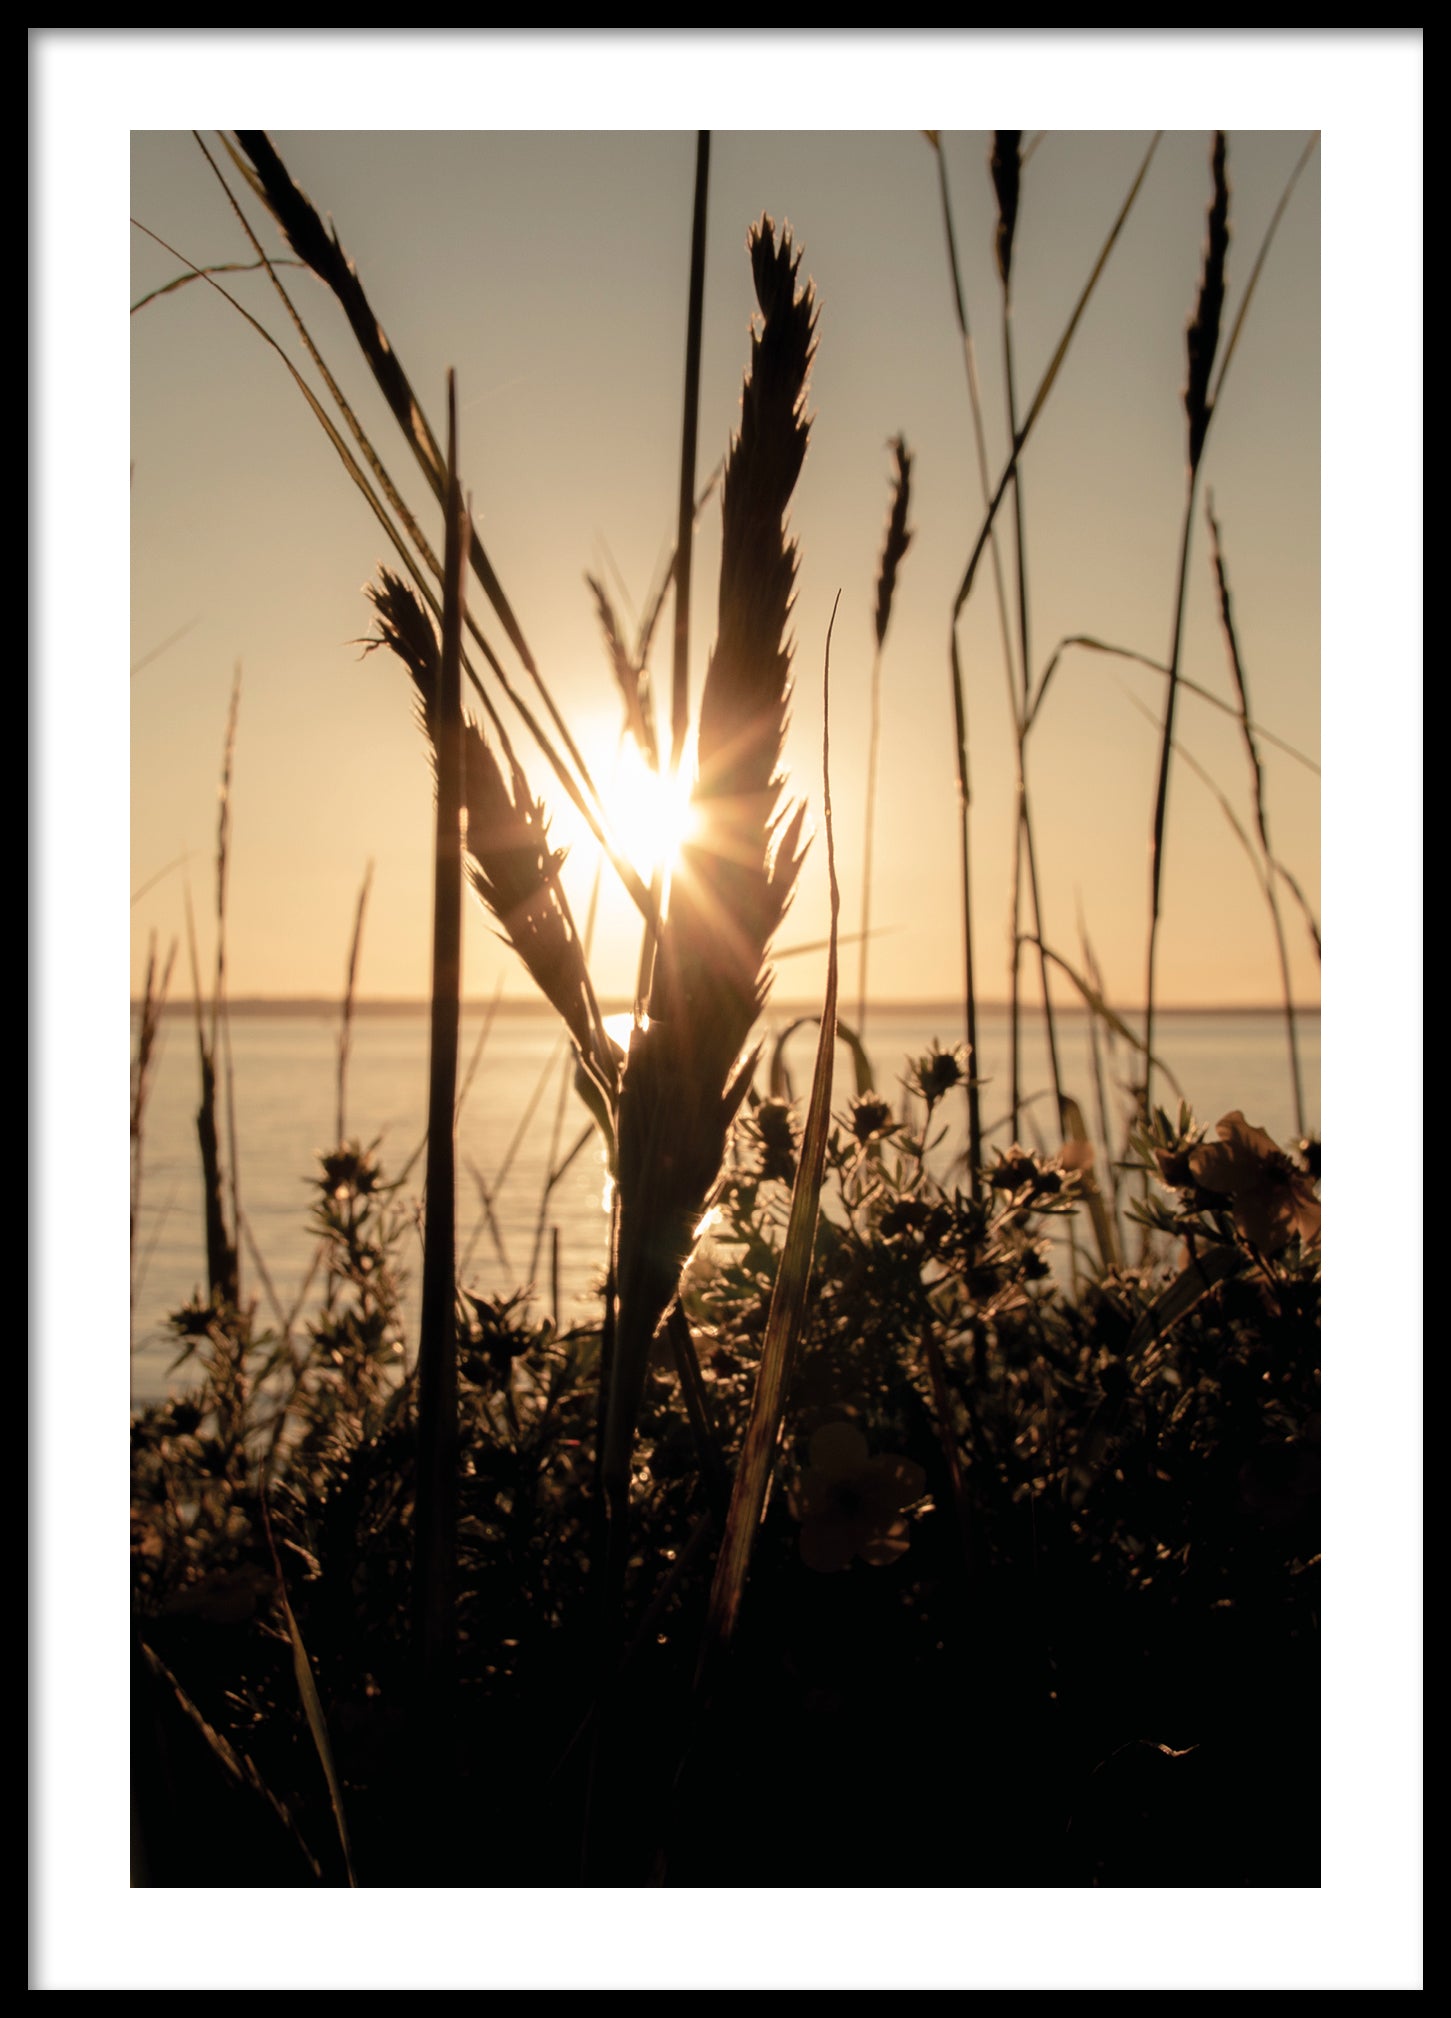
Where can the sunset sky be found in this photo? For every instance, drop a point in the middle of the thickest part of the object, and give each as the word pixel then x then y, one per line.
pixel 175 467
pixel 549 269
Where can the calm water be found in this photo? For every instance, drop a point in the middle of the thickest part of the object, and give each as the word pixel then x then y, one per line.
pixel 285 1067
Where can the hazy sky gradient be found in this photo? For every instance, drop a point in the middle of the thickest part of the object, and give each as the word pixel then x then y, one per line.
pixel 550 270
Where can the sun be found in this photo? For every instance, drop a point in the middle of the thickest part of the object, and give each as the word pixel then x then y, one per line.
pixel 651 813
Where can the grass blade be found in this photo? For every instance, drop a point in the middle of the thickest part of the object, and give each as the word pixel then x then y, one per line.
pixel 787 1319
pixel 237 1766
pixel 688 1068
pixel 1262 818
pixel 434 1569
pixel 898 539
pixel 680 675
pixel 1157 666
pixel 345 1031
pixel 1204 1273
pixel 1101 1009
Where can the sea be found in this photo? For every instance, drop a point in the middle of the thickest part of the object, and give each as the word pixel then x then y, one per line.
pixel 519 1120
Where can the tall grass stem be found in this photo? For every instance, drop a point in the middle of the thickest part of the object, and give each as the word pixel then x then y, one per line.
pixel 685 533
pixel 436 1514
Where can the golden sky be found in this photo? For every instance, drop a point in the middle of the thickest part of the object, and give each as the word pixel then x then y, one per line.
pixel 549 270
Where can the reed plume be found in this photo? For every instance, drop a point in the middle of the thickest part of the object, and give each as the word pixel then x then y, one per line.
pixel 632 676
pixel 1007 171
pixel 1202 339
pixel 1201 342
pixel 153 999
pixel 898 539
pixel 510 864
pixel 685 1077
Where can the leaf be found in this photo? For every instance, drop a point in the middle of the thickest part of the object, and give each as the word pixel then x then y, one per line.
pixel 317 1724
pixel 787 1320
pixel 1203 1274
pixel 780 1078
pixel 1075 1131
pixel 1100 1008
pixel 238 1767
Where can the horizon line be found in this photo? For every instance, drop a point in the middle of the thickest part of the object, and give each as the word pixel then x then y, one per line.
pixel 251 1005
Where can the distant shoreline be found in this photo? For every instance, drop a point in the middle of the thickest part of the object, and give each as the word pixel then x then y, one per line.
pixel 326 1005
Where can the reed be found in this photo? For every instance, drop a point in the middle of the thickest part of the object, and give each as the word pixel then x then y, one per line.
pixel 345 1023
pixel 148 1031
pixel 685 1078
pixel 1262 821
pixel 680 663
pixel 1007 166
pixel 320 250
pixel 959 701
pixel 435 1547
pixel 1201 342
pixel 786 1321
pixel 1202 392
pixel 894 547
pixel 511 866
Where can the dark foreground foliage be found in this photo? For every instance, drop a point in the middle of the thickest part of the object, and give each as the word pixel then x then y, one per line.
pixel 1035 1601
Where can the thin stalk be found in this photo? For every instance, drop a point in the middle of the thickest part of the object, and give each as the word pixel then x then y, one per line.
pixel 692 1390
pixel 221 1020
pixel 1265 871
pixel 580 788
pixel 1025 847
pixel 979 436
pixel 969 576
pixel 566 1075
pixel 873 738
pixel 1201 402
pixel 490 1192
pixel 964 802
pixel 942 1410
pixel 898 539
pixel 1046 384
pixel 1005 628
pixel 487 1217
pixel 1187 685
pixel 552 1170
pixel 345 1031
pixel 680 670
pixel 1090 968
pixel 1257 774
pixel 1161 792
pixel 221 1255
pixel 153 1000
pixel 436 1516
pixel 322 251
pixel 1006 167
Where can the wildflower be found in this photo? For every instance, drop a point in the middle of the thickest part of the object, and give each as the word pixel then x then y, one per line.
pixel 870 1116
pixel 938 1071
pixel 850 1503
pixel 905 1215
pixel 349 1171
pixel 194 1319
pixel 1271 1198
pixel 773 1125
pixel 1018 1168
